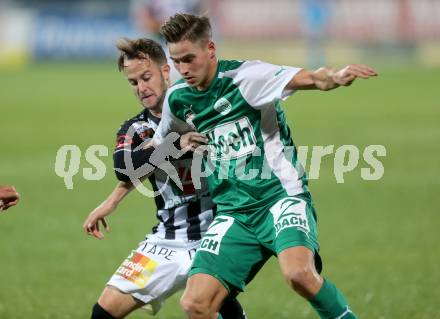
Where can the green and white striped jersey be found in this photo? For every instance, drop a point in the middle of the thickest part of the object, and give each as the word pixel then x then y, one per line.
pixel 252 161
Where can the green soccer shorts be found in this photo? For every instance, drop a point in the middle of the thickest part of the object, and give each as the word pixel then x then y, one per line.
pixel 236 246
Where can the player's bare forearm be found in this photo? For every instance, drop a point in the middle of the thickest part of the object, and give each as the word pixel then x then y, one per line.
pixel 117 195
pixel 326 78
pixel 121 190
pixel 97 216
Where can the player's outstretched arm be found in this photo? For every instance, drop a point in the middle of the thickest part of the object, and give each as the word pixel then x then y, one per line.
pixel 8 197
pixel 92 223
pixel 328 79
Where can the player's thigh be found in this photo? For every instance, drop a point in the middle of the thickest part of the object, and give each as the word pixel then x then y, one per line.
pixel 154 271
pixel 291 222
pixel 299 257
pixel 118 303
pixel 229 252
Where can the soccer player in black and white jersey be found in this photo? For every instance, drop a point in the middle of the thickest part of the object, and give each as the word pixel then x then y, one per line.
pixel 158 267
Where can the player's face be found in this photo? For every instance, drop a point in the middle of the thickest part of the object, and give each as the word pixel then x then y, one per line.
pixel 194 61
pixel 148 80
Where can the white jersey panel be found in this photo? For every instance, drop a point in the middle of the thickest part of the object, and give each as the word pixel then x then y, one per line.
pixel 274 151
pixel 262 84
pixel 169 122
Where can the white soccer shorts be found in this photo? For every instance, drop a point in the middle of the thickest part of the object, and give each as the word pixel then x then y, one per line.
pixel 155 270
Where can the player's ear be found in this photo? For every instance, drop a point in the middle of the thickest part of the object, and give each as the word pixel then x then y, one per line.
pixel 165 69
pixel 211 49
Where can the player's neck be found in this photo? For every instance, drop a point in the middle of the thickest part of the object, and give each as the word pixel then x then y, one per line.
pixel 156 112
pixel 211 74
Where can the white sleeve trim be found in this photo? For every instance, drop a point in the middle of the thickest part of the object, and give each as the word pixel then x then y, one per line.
pixel 169 122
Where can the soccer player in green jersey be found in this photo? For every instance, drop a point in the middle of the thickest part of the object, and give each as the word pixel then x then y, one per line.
pixel 263 204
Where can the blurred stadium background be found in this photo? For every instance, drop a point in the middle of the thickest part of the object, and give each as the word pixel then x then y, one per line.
pixel 59 85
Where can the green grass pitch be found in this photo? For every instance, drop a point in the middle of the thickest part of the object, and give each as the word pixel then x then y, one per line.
pixel 379 239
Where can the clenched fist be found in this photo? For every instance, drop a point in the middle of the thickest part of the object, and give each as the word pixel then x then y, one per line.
pixel 8 197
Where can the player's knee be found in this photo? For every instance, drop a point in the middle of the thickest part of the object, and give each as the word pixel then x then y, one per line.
pixel 190 304
pixel 195 307
pixel 302 279
pixel 100 313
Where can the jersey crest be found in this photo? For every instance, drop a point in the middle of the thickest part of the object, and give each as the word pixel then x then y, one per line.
pixel 223 106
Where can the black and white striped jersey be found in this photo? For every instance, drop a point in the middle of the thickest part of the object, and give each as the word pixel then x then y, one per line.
pixel 182 214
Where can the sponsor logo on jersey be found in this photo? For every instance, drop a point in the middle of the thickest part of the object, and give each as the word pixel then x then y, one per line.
pixel 231 140
pixel 144 130
pixel 172 194
pixel 290 212
pixel 211 241
pixel 137 268
pixel 223 106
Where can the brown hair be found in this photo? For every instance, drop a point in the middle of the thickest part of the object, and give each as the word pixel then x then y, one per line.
pixel 140 49
pixel 184 26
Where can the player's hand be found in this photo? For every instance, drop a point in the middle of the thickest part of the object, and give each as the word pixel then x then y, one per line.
pixel 148 144
pixel 192 140
pixel 8 197
pixel 92 223
pixel 347 75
